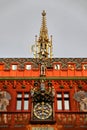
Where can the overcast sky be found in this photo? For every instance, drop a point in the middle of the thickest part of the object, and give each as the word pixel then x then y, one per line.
pixel 20 21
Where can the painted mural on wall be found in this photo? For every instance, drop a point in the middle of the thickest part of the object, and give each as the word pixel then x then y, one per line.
pixel 4 100
pixel 81 98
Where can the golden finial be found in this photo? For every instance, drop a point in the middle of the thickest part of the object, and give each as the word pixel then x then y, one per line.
pixel 43 13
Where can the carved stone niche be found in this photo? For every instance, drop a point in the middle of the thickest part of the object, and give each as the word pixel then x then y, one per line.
pixel 43 70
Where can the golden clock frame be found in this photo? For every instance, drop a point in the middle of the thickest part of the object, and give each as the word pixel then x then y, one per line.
pixel 50 120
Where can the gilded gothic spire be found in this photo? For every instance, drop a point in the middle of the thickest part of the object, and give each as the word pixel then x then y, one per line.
pixel 43 30
pixel 43 45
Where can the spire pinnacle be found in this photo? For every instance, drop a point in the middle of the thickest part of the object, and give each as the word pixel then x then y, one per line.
pixel 43 30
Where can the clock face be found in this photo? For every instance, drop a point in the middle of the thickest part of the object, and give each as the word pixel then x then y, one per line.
pixel 42 110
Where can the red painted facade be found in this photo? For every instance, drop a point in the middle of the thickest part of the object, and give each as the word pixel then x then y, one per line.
pixel 64 80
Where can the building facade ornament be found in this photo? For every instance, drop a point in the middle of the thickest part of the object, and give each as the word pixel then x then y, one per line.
pixel 81 98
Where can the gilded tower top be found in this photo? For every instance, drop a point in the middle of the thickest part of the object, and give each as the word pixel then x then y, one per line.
pixel 43 30
pixel 43 45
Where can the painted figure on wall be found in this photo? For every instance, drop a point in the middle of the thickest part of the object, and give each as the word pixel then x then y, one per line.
pixel 81 97
pixel 4 102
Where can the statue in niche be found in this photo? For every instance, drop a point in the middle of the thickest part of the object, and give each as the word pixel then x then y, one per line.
pixel 50 89
pixel 42 86
pixel 43 69
pixel 32 91
pixel 53 91
pixel 81 97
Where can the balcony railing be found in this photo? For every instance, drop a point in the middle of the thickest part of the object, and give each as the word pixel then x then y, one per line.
pixel 21 119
